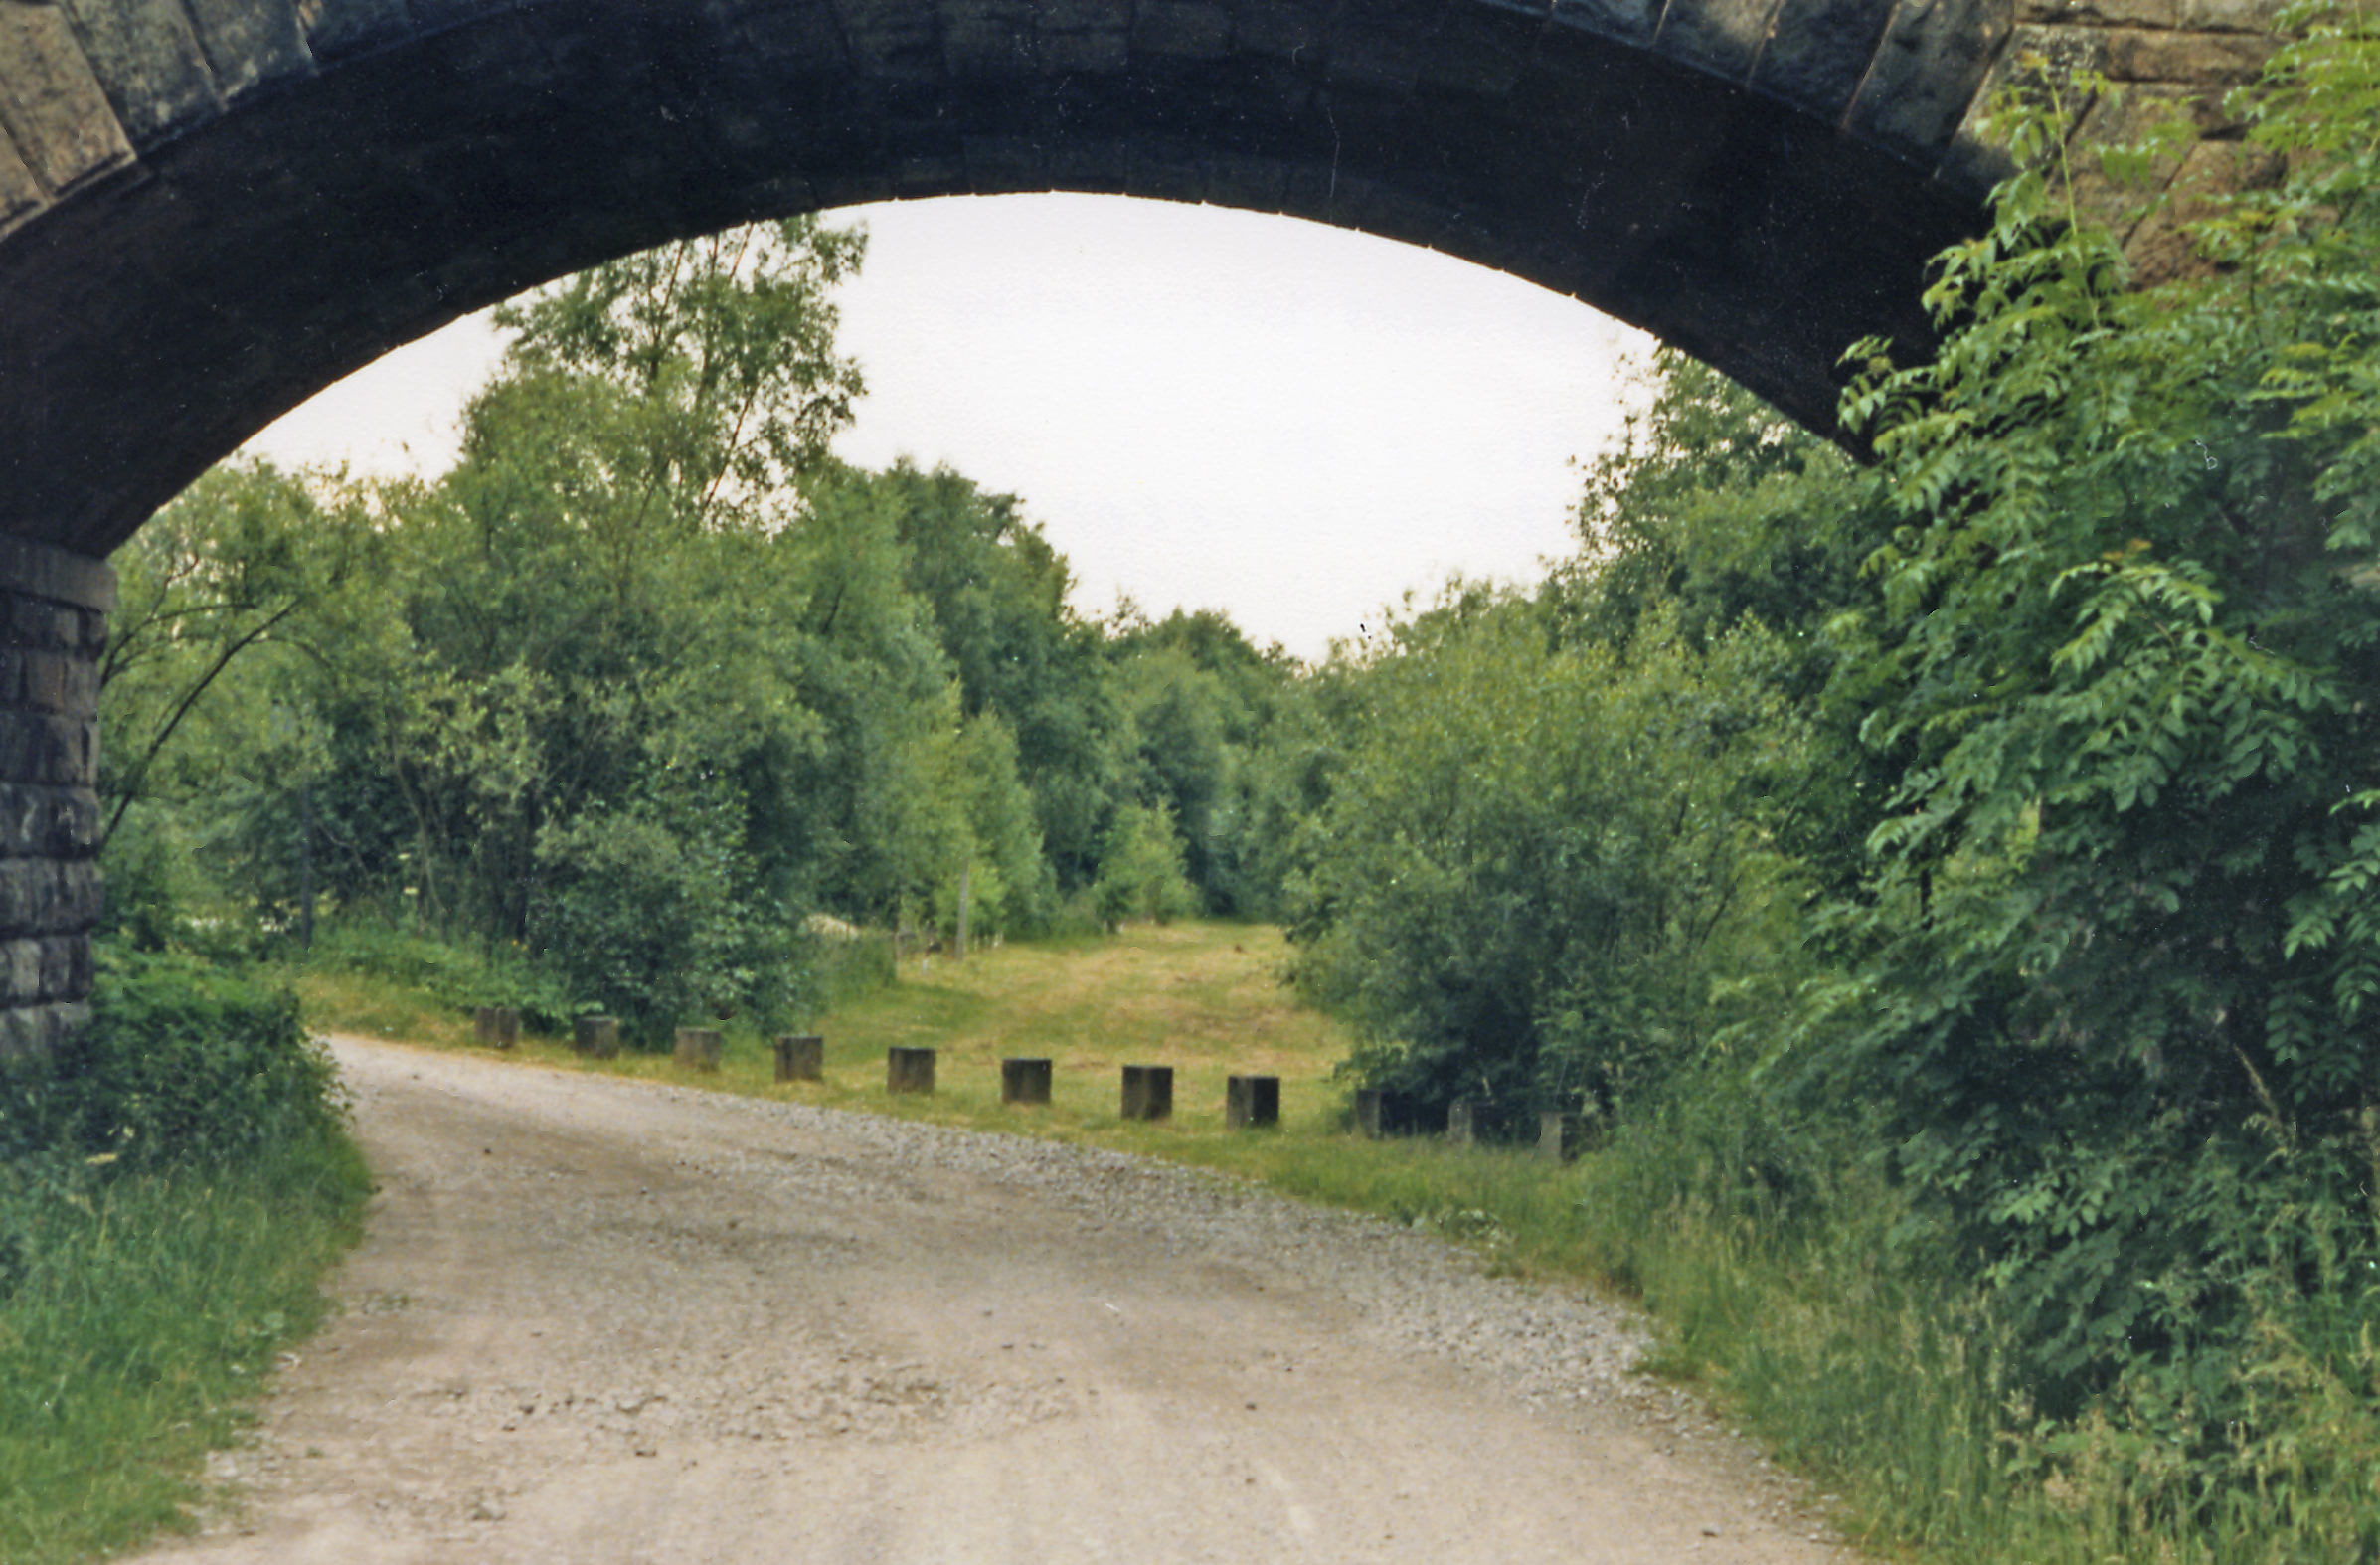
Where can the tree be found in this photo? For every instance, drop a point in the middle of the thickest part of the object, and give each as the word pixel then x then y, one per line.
pixel 2120 946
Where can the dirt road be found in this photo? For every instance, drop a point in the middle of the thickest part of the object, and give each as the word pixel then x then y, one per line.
pixel 600 1321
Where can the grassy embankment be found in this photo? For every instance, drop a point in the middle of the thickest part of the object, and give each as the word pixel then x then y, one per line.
pixel 168 1206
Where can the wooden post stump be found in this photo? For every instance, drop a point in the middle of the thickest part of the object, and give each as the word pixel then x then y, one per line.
pixel 595 1035
pixel 1250 1102
pixel 697 1048
pixel 1149 1092
pixel 909 1070
pixel 1024 1081
pixel 1463 1121
pixel 800 1057
pixel 1561 1134
pixel 1371 1112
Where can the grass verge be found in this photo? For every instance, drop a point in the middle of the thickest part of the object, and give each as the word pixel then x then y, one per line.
pixel 139 1330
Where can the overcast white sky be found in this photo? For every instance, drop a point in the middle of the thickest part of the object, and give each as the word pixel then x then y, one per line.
pixel 1202 406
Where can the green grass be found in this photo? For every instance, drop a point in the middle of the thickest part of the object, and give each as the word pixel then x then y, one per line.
pixel 141 1329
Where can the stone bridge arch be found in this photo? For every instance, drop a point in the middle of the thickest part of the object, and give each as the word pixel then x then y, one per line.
pixel 211 209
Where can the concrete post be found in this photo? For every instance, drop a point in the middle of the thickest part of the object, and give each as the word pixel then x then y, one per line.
pixel 1463 1121
pixel 595 1035
pixel 54 608
pixel 1561 1134
pixel 800 1057
pixel 697 1048
pixel 1024 1081
pixel 909 1070
pixel 1371 1112
pixel 1251 1101
pixel 1149 1092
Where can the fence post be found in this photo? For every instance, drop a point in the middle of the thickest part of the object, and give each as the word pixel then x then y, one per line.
pixel 1147 1091
pixel 800 1057
pixel 1025 1081
pixel 697 1048
pixel 1251 1101
pixel 909 1070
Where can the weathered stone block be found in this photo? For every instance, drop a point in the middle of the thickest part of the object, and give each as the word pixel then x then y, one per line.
pixel 2200 58
pixel 48 897
pixel 41 820
pixel 1722 37
pixel 498 1026
pixel 21 195
pixel 1818 51
pixel 2230 16
pixel 800 1057
pixel 1025 1081
pixel 1250 1101
pixel 335 28
pixel 1371 1118
pixel 2037 62
pixel 697 1048
pixel 148 57
pixel 1562 1134
pixel 44 969
pixel 53 106
pixel 1147 1091
pixel 596 1036
pixel 2098 13
pixel 909 1070
pixel 1463 1121
pixel 250 43
pixel 1927 73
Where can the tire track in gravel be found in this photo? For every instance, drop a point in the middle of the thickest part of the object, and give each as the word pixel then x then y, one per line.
pixel 603 1321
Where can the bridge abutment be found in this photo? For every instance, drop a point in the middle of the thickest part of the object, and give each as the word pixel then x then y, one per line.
pixel 53 607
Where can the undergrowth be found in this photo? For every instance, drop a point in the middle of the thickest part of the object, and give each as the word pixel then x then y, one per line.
pixel 171 1191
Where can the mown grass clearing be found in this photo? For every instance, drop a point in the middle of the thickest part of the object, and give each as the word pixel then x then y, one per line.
pixel 1203 997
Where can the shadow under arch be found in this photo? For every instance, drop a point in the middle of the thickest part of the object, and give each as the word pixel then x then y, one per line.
pixel 363 187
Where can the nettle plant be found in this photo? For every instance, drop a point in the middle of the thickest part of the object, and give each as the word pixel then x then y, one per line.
pixel 2120 967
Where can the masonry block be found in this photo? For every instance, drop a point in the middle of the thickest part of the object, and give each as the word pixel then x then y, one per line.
pixel 800 1057
pixel 909 1070
pixel 1250 1101
pixel 50 103
pixel 1025 1081
pixel 596 1036
pixel 147 58
pixel 1463 1121
pixel 697 1048
pixel 1147 1091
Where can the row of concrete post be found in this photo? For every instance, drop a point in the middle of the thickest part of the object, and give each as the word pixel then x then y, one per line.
pixel 1248 1101
pixel 1562 1133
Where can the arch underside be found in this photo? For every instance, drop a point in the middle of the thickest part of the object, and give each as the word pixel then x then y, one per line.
pixel 162 311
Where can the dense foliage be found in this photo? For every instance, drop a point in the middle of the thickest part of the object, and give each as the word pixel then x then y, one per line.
pixel 649 681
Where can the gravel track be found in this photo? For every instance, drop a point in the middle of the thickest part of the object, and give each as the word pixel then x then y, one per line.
pixel 605 1320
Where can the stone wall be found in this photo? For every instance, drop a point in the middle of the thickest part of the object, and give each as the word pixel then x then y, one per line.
pixel 2164 57
pixel 54 609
